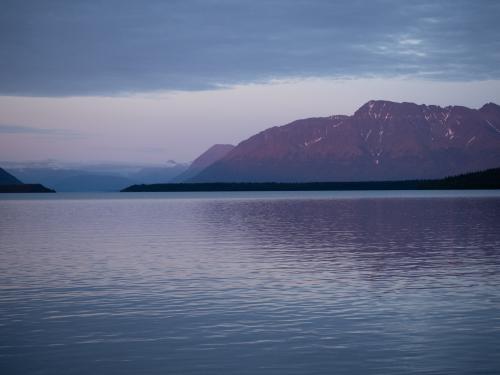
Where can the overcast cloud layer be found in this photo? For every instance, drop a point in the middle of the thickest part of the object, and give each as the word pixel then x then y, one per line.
pixel 62 48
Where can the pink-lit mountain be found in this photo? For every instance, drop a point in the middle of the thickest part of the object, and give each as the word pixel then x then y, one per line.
pixel 382 141
pixel 209 157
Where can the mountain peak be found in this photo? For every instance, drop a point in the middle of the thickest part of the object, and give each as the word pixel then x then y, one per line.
pixel 383 108
pixel 375 104
pixel 382 140
pixel 490 108
pixel 171 163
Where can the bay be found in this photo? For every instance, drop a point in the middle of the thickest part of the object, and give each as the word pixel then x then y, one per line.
pixel 264 282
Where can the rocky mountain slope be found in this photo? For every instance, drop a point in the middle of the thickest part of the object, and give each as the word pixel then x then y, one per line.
pixel 382 140
pixel 209 157
pixel 8 179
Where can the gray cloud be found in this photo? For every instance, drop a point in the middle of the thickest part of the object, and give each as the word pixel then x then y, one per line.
pixel 19 129
pixel 84 47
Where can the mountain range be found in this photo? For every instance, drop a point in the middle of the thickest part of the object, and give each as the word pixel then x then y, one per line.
pixel 382 140
pixel 97 177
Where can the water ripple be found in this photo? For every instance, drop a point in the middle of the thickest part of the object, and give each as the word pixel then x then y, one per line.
pixel 247 285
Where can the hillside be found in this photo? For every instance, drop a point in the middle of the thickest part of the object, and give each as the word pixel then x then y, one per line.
pixel 209 157
pixel 8 179
pixel 382 140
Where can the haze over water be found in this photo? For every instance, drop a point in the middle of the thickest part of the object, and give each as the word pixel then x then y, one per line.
pixel 251 283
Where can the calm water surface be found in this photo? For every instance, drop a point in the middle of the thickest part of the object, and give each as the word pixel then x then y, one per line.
pixel 250 283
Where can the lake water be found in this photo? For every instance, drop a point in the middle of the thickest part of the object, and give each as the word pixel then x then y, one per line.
pixel 250 283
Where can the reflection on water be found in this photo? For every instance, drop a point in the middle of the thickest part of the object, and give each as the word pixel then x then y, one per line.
pixel 245 286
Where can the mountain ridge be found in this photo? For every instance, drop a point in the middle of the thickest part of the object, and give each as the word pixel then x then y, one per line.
pixel 8 179
pixel 207 158
pixel 382 140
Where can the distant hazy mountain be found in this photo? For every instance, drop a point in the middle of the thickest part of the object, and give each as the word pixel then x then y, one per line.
pixel 213 154
pixel 8 179
pixel 43 175
pixel 65 180
pixel 382 141
pixel 89 182
pixel 151 175
pixel 98 177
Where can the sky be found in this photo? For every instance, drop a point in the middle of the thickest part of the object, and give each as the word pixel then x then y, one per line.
pixel 148 81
